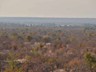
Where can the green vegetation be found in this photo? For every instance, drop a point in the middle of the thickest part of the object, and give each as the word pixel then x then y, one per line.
pixel 91 61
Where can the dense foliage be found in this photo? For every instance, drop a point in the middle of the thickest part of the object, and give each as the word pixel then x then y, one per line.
pixel 48 49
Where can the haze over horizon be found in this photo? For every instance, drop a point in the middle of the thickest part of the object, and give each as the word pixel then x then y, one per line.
pixel 36 20
pixel 48 8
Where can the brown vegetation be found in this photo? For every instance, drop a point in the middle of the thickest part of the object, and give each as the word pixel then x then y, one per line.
pixel 47 49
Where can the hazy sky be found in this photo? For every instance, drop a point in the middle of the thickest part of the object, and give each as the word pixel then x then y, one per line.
pixel 48 8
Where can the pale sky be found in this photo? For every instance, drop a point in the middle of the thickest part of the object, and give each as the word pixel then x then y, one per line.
pixel 48 8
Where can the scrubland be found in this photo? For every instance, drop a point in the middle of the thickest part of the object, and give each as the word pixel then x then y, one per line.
pixel 48 49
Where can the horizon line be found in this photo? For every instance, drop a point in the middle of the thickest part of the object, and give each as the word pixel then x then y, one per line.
pixel 49 17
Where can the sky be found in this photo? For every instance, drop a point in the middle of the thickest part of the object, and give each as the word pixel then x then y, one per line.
pixel 48 8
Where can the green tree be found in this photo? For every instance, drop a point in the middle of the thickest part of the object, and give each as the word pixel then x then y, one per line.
pixel 12 64
pixel 90 61
pixel 28 38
